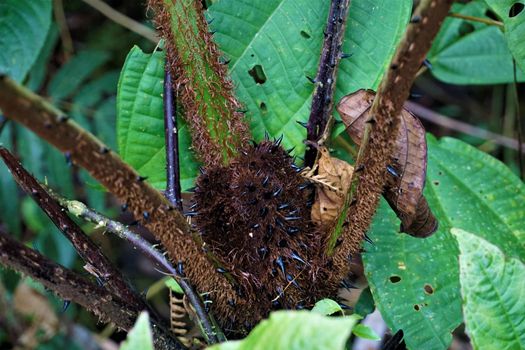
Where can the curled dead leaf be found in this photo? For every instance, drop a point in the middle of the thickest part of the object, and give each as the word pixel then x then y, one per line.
pixel 332 181
pixel 406 173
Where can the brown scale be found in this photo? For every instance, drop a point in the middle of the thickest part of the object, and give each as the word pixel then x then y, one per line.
pixel 254 215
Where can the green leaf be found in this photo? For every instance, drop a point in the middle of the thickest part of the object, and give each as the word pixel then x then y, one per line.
pixel 467 52
pixel 23 29
pixel 38 71
pixel 139 337
pixel 493 291
pixel 327 307
pixel 9 195
pixel 71 75
pixel 172 284
pixel 365 304
pixel 140 121
pixel 283 38
pixel 514 26
pixel 365 332
pixel 296 330
pixel 415 282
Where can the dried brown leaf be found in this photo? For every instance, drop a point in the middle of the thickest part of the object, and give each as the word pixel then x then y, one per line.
pixel 332 180
pixel 407 170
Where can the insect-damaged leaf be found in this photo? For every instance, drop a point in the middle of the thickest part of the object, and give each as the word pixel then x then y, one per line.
pixel 406 172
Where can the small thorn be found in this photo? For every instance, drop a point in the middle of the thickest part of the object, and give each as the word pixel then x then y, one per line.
pixel 283 206
pixel 392 171
pixel 279 222
pixel 345 307
pixel 394 66
pixel 67 156
pixel 65 306
pixel 255 144
pixel 104 150
pixel 133 223
pixel 415 96
pixel 292 218
pixel 297 169
pixel 62 118
pixel 221 270
pixel 337 121
pixel 141 178
pixel 211 32
pixel 263 252
pixel 202 170
pixel 269 231
pixel 193 206
pixel 292 230
pixel 299 306
pixel 180 268
pixel 231 302
pixel 310 79
pixel 265 181
pixel 296 256
pixel 290 150
pixel 277 192
pixel 305 185
pixel 368 239
pixel 191 189
pixel 292 280
pixel 124 207
pixel 100 281
pixel 415 19
pixel 427 63
pixel 360 168
pixel 277 141
pixel 226 61
pixel 371 120
pixel 266 136
pixel 145 215
pixel 263 212
pixel 303 124
pixel 209 21
pixel 243 111
pixel 347 285
pixel 346 55
pixel 279 261
pixel 255 226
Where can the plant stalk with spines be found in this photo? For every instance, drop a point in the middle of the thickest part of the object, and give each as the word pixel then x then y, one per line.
pixel 71 286
pixel 320 120
pixel 368 179
pixel 212 113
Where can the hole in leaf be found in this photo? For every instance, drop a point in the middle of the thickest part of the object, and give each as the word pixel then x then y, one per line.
pixel 394 279
pixel 491 14
pixel 263 108
pixel 416 307
pixel 305 35
pixel 428 289
pixel 465 28
pixel 436 183
pixel 516 9
pixel 257 73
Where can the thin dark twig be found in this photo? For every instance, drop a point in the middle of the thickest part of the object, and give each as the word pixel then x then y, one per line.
pixel 71 286
pixel 98 264
pixel 82 211
pixel 518 120
pixel 173 191
pixel 325 81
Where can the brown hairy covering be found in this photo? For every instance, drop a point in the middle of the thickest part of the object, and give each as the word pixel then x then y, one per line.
pixel 230 132
pixel 254 214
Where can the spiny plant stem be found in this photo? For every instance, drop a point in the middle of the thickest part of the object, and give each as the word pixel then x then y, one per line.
pixel 80 210
pixel 325 81
pixel 173 191
pixel 99 264
pixel 71 286
pixel 167 224
pixel 378 141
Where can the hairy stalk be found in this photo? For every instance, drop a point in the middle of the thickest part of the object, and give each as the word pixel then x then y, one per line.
pixel 325 81
pixel 218 128
pixel 82 211
pixel 173 192
pixel 99 265
pixel 167 224
pixel 68 285
pixel 378 141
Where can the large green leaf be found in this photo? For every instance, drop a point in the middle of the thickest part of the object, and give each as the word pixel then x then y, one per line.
pixel 466 52
pixel 493 291
pixel 296 330
pixel 139 337
pixel 514 22
pixel 140 122
pixel 274 44
pixel 23 29
pixel 70 76
pixel 415 282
